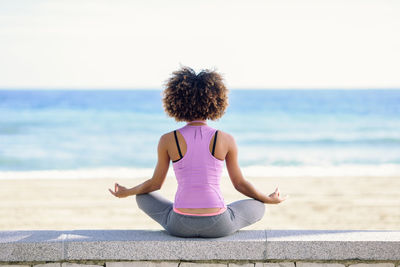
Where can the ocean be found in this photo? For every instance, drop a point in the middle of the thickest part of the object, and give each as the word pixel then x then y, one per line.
pixel 114 133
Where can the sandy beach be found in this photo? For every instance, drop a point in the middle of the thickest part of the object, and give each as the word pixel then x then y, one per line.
pixel 363 203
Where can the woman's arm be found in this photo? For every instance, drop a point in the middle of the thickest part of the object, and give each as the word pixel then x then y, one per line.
pixel 238 181
pixel 156 181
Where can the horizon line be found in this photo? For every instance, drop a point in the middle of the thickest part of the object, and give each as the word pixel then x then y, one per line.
pixel 160 89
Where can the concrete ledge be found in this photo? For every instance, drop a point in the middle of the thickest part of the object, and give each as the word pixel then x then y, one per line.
pixel 134 245
pixel 333 245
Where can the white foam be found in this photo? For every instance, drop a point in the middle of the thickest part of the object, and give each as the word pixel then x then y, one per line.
pixel 322 170
pixel 98 173
pixel 250 171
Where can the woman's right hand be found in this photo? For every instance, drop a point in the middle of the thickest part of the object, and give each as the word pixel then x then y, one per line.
pixel 275 197
pixel 120 191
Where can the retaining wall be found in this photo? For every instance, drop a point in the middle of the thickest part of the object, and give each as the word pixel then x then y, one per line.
pixel 258 248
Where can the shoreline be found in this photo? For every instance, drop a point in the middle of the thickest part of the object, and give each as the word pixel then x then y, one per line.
pixel 316 171
pixel 335 203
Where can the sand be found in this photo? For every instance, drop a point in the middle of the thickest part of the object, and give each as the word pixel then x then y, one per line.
pixel 358 203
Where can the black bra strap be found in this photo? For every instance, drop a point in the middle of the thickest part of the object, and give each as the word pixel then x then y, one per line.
pixel 215 141
pixel 177 144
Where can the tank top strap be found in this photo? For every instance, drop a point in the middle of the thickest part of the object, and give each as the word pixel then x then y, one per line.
pixel 209 135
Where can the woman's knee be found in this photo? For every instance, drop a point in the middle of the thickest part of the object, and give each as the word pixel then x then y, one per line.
pixel 249 208
pixel 141 199
pixel 153 202
pixel 259 208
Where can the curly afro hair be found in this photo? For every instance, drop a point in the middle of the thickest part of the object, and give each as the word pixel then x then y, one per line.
pixel 188 96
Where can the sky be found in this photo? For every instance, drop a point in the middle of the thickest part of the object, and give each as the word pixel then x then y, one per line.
pixel 126 44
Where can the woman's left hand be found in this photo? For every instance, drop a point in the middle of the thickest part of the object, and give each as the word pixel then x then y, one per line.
pixel 120 191
pixel 275 197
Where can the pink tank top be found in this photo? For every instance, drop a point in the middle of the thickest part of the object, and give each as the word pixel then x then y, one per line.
pixel 198 173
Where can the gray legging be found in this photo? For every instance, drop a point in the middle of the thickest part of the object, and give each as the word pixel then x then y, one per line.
pixel 238 214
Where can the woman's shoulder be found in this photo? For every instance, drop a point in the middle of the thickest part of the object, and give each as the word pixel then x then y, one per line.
pixel 225 136
pixel 167 136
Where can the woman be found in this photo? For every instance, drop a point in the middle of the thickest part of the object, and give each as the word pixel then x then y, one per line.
pixel 198 152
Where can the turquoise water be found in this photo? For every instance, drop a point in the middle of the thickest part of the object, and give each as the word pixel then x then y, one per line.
pixel 276 130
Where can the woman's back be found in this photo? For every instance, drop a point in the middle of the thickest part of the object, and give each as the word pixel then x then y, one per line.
pixel 198 172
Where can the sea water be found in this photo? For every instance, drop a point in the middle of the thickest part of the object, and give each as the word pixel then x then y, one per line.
pixel 114 133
